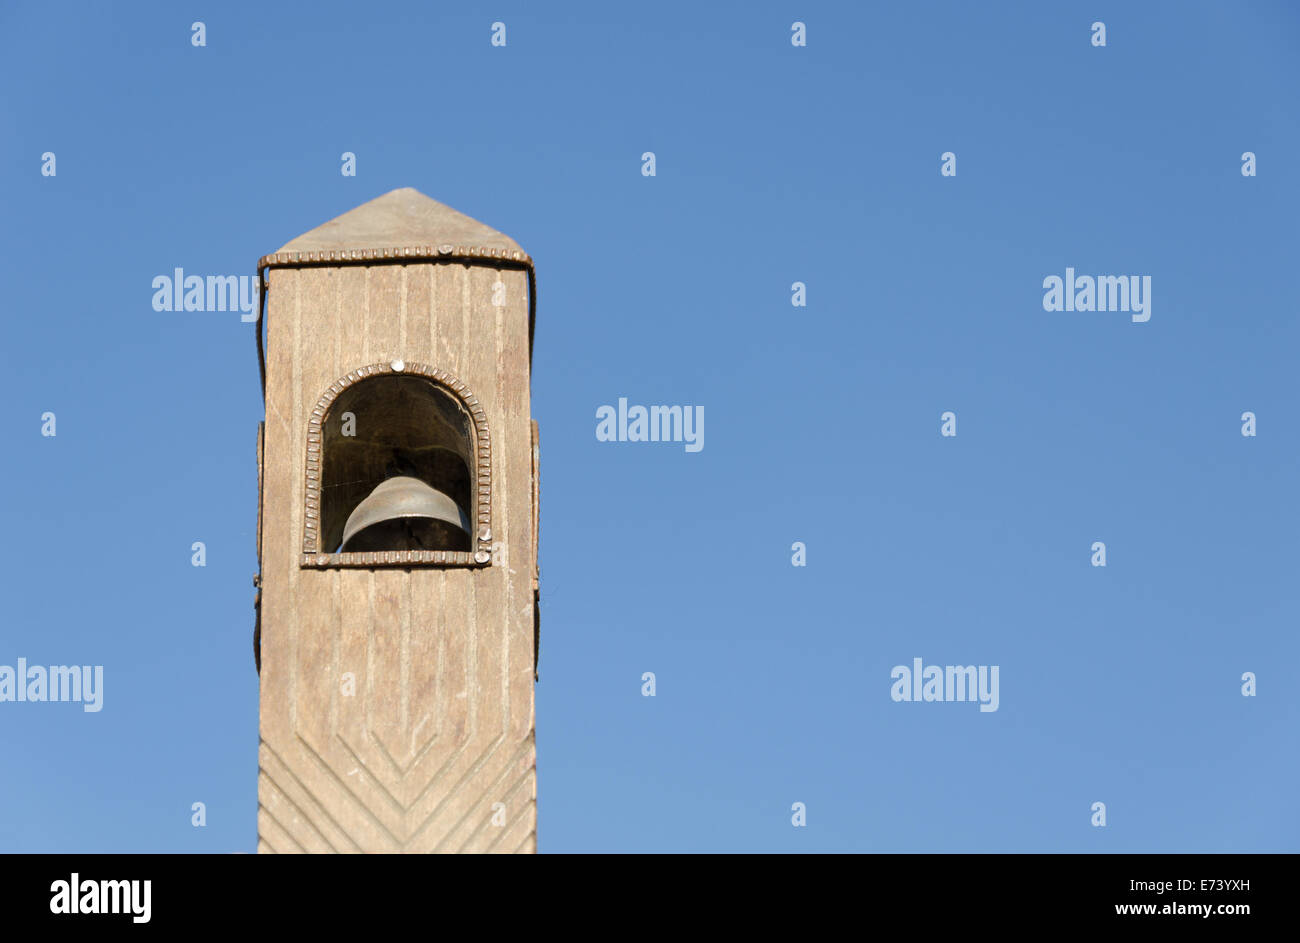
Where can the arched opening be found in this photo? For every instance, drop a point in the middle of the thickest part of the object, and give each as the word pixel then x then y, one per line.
pixel 397 468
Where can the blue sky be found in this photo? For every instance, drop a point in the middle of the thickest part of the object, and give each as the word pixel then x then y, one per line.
pixel 774 164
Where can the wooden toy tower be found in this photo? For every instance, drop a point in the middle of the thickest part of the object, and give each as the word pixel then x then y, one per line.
pixel 397 537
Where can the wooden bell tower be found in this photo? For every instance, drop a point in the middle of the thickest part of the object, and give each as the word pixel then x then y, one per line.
pixel 397 537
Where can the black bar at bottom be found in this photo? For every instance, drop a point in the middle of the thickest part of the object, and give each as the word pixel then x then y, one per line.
pixel 1221 893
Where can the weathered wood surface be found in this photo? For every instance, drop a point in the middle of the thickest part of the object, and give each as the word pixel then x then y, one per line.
pixel 440 727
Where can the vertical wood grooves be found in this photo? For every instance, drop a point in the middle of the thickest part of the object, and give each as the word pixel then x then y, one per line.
pixel 506 535
pixel 335 584
pixel 296 444
pixel 440 727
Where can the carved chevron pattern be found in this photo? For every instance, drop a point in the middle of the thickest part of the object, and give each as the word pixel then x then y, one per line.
pixel 294 818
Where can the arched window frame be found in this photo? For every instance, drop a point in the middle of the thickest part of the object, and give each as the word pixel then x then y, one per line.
pixel 480 492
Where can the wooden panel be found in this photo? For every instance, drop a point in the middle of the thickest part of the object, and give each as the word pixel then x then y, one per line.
pixel 450 318
pixel 519 791
pixel 314 305
pixel 440 725
pixel 417 308
pixel 351 322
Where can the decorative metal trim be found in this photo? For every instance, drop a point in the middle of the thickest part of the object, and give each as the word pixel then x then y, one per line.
pixel 405 558
pixel 409 253
pixel 482 495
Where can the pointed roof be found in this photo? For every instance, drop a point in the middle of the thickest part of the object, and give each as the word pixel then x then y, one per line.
pixel 400 224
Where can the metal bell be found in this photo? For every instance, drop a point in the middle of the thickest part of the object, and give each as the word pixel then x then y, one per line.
pixel 404 513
